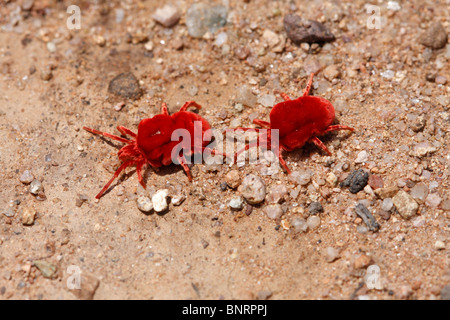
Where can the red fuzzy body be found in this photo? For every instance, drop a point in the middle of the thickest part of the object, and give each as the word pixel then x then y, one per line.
pixel 153 143
pixel 298 121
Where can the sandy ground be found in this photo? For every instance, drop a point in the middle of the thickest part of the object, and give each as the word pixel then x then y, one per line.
pixel 201 249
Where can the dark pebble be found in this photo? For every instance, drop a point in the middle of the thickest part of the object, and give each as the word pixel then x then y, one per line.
pixel 223 186
pixel 301 30
pixel 367 217
pixel 356 181
pixel 383 214
pixel 125 85
pixel 315 208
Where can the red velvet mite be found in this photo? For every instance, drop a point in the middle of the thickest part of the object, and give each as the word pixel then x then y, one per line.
pixel 298 121
pixel 153 143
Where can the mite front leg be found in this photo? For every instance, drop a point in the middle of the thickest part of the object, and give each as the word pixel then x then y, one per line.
pixel 308 86
pixel 320 144
pixel 190 104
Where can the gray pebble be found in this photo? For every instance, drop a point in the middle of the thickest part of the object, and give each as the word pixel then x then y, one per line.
pixel 125 85
pixel 301 178
pixel 313 222
pixel 300 30
pixel 315 208
pixel 419 192
pixel 202 18
pixel 387 204
pixel 168 16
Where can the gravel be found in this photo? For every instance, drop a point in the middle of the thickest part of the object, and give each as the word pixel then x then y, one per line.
pixel 406 206
pixel 267 100
pixel 433 200
pixel 253 189
pixel 356 181
pixel 299 224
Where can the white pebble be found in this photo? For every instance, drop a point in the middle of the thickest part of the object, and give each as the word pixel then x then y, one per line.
pixel 159 200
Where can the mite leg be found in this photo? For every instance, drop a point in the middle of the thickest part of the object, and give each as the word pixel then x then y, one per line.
pixel 320 144
pixel 107 135
pixel 182 161
pixel 116 174
pixel 308 87
pixel 262 123
pixel 126 131
pixel 139 174
pixel 285 96
pixel 190 104
pixel 338 127
pixel 164 110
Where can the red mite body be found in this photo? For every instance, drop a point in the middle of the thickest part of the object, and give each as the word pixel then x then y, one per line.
pixel 298 121
pixel 153 143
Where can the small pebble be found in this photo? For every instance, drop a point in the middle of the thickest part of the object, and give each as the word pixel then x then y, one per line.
pixel 332 254
pixel 168 16
pixel 47 269
pixel 445 205
pixel 28 216
pixel 299 224
pixel 419 192
pixel 434 37
pixel 315 208
pixel 387 192
pixel 439 245
pixel 245 96
pixel 433 200
pixel 362 157
pixel 362 261
pixel 36 187
pixel 375 181
pixel 81 198
pixel 301 178
pixel 253 189
pixel 387 204
pixel 144 204
pixel 273 211
pixel 313 222
pixel 267 100
pixel 331 72
pixel 356 181
pixel 406 206
pixel 178 200
pixel 300 30
pixel 202 18
pixel 125 85
pixel 159 200
pixel 277 194
pixel 26 177
pixel 236 203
